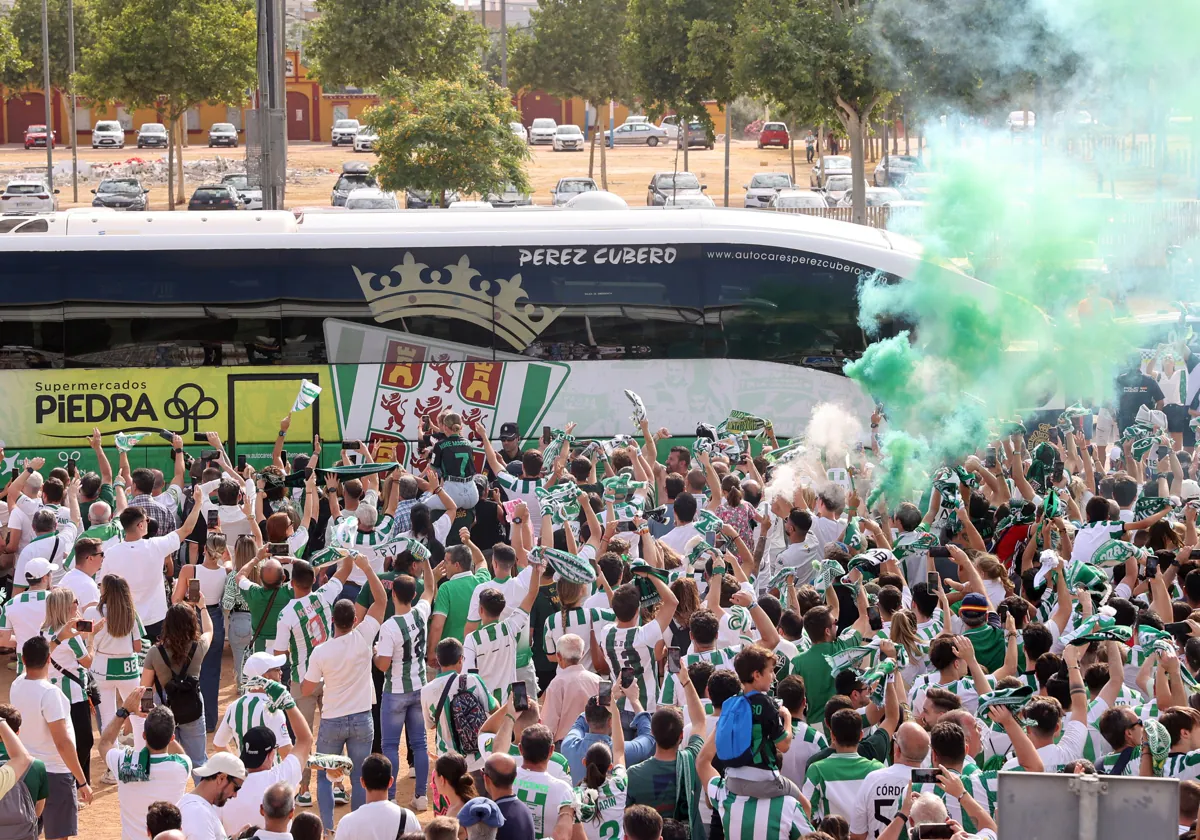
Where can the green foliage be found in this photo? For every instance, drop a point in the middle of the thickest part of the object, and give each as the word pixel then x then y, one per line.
pixel 570 50
pixel 441 135
pixel 363 42
pixel 170 54
pixel 11 61
pixel 25 24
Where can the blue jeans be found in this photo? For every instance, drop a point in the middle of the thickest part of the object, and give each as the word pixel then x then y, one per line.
pixel 192 737
pixel 240 634
pixel 210 669
pixel 396 712
pixel 354 734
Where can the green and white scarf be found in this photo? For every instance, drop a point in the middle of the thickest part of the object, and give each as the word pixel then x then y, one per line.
pixel 125 442
pixel 742 423
pixel 309 392
pixel 134 767
pixel 561 501
pixel 1011 698
pixel 639 409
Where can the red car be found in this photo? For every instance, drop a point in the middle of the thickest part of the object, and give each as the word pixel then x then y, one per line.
pixel 35 135
pixel 774 134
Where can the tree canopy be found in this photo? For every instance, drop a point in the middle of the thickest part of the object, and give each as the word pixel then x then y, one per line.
pixel 24 22
pixel 11 61
pixel 569 50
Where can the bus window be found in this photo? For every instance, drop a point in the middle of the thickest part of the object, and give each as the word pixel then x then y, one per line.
pixel 160 340
pixel 31 339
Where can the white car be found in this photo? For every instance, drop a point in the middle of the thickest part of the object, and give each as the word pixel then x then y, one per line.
pixel 670 124
pixel 520 131
pixel 568 138
pixel 837 186
pixel 568 188
pixel 370 198
pixel 108 134
pixel 152 134
pixel 798 200
pixel 28 195
pixel 542 131
pixel 689 201
pixel 763 186
pixel 344 131
pixel 876 197
pixel 366 139
pixel 251 196
pixel 223 134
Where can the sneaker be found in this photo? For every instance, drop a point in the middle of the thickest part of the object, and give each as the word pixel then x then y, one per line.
pixel 304 800
pixel 108 778
pixel 412 772
pixel 340 797
pixel 419 804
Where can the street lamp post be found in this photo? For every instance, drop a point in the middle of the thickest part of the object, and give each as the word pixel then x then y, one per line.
pixel 74 109
pixel 46 96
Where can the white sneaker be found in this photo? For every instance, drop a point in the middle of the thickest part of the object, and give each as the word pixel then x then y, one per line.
pixel 412 772
pixel 419 804
pixel 108 778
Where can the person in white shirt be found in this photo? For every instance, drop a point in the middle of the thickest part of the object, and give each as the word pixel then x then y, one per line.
pixel 277 809
pixel 883 790
pixel 827 525
pixel 23 616
pixel 262 770
pixel 684 531
pixel 802 549
pixel 81 580
pixel 550 800
pixel 378 818
pixel 140 561
pixel 344 664
pixel 159 773
pixel 491 651
pixel 26 496
pixel 1058 742
pixel 221 778
pixel 48 735
pixel 51 541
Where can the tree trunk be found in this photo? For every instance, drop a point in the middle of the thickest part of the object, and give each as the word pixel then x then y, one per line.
pixel 855 127
pixel 181 129
pixel 592 150
pixel 170 165
pixel 603 165
pixel 792 149
pixel 682 133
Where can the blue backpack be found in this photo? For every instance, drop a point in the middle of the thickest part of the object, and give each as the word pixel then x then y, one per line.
pixel 734 729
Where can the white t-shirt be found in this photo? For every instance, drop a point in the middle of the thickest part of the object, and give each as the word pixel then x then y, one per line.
pixel 1069 748
pixel 878 799
pixel 46 547
pixel 680 536
pixel 1093 535
pixel 344 663
pixel 40 704
pixel 544 796
pixel 513 589
pixel 167 782
pixel 800 556
pixel 21 517
pixel 377 821
pixel 243 809
pixel 200 819
pixel 83 586
pixel 140 562
pixel 25 614
pixel 826 531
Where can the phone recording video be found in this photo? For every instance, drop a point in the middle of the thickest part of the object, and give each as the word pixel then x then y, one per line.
pixel 520 696
pixel 627 677
pixel 674 659
pixel 924 776
pixel 193 591
pixel 934 831
pixel 279 549
pixel 939 551
pixel 933 581
pixel 210 517
pixel 83 625
pixel 605 698
pixel 241 462
pixel 147 703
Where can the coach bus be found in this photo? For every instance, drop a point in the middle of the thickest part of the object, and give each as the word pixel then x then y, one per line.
pixel 192 321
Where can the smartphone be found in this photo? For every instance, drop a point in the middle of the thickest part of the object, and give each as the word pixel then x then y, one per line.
pixel 279 549
pixel 939 551
pixel 1195 555
pixel 200 437
pixel 989 459
pixel 924 776
pixel 193 591
pixel 1152 567
pixel 1181 630
pixel 1054 436
pixel 546 434
pixel 147 704
pixel 605 698
pixel 211 517
pixel 283 456
pixel 169 436
pixel 71 467
pixel 16 471
pixel 520 697
pixel 241 463
pixel 210 455
pixel 934 831
pixel 674 660
pixel 627 677
pixel 873 617
pixel 626 526
pixel 83 625
pixel 1057 475
pixel 933 581
pixel 351 444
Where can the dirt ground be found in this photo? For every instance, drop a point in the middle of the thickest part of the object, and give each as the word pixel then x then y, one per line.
pixel 630 169
pixel 102 819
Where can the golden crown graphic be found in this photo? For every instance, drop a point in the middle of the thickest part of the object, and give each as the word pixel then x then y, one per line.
pixel 458 291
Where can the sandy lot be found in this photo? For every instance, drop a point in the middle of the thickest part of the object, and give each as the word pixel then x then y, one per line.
pixel 630 168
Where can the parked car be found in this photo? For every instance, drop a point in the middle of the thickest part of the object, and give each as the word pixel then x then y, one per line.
pixel 121 194
pixel 542 131
pixel 354 175
pixel 834 165
pixel 370 198
pixel 635 134
pixel 837 186
pixel 366 139
pixel 344 131
pixel 250 196
pixel 797 200
pixel 763 186
pixel 876 197
pixel 893 169
pixel 215 197
pixel 223 134
pixel 35 135
pixel 28 195
pixel 509 197
pixel 154 135
pixel 423 200
pixel 774 134
pixel 568 188
pixel 698 135
pixel 663 184
pixel 108 134
pixel 670 125
pixel 519 130
pixel 634 119
pixel 1020 121
pixel 689 201
pixel 568 138
pixel 917 185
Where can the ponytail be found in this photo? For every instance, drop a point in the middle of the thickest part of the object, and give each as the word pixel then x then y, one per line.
pixel 597 762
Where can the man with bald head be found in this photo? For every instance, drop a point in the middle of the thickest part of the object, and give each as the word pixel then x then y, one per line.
pixel 882 791
pixel 266 602
pixel 173 834
pixel 499 774
pixel 278 807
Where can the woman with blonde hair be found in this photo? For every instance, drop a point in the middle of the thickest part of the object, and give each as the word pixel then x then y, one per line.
pixel 69 661
pixel 453 460
pixel 116 642
pixel 210 576
pixel 241 632
pixel 996 583
pixel 903 634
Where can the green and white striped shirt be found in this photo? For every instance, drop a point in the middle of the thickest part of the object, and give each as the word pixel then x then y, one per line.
pixel 604 820
pixel 245 713
pixel 303 624
pixel 23 615
pixel 403 638
pixel 1182 766
pixel 633 647
pixel 672 691
pixel 748 818
pixel 579 621
pixel 66 657
pixel 832 784
pixel 524 490
pixel 492 652
pixel 1109 762
pixel 806 742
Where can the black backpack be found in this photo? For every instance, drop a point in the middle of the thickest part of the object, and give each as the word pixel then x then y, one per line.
pixel 183 690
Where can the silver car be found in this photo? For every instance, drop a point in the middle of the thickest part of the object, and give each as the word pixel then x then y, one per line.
pixel 834 165
pixel 223 134
pixel 370 198
pixel 251 196
pixel 519 130
pixel 798 200
pixel 366 139
pixel 672 184
pixel 509 197
pixel 837 186
pixel 893 169
pixel 543 130
pixel 763 187
pixel 568 188
pixel 876 197
pixel 152 134
pixel 635 134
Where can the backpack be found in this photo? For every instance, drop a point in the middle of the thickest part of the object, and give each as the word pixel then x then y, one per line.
pixel 183 690
pixel 467 716
pixel 18 816
pixel 734 728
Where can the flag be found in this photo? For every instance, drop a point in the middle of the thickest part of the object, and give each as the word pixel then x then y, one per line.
pixel 639 408
pixel 743 422
pixel 125 442
pixel 307 396
pixel 359 470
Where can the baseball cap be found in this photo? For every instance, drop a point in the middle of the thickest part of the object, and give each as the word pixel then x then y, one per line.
pixel 39 567
pixel 973 601
pixel 261 662
pixel 509 431
pixel 222 762
pixel 257 744
pixel 480 810
pixel 1190 490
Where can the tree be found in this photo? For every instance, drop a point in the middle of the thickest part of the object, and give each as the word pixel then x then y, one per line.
pixel 363 42
pixel 448 134
pixel 11 60
pixel 25 22
pixel 569 50
pixel 818 52
pixel 171 55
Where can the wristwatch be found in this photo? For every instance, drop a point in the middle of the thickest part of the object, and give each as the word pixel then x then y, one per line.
pixel 122 712
pixel 282 433
pixel 516 520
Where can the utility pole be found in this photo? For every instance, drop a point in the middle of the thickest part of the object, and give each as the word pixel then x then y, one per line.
pixel 74 110
pixel 266 136
pixel 47 97
pixel 503 43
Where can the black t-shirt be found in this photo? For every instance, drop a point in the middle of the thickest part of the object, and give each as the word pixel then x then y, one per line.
pixel 453 457
pixel 1136 390
pixel 487 529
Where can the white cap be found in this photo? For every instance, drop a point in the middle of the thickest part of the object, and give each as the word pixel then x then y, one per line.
pixel 1189 490
pixel 221 762
pixel 39 567
pixel 261 662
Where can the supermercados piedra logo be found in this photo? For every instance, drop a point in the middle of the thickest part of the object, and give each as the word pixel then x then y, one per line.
pixel 71 409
